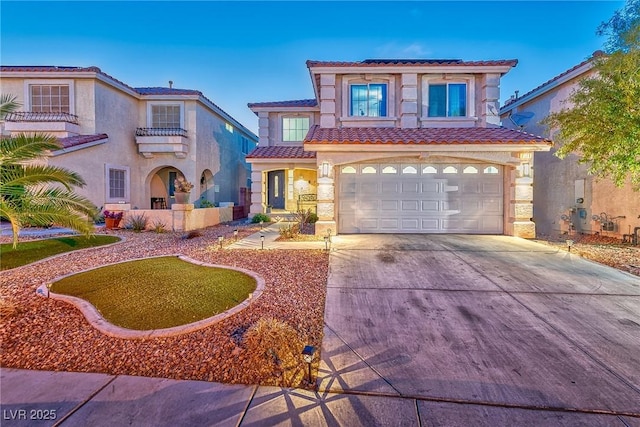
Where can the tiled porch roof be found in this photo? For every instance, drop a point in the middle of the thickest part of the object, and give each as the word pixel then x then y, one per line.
pixel 74 141
pixel 421 136
pixel 279 152
pixel 412 62
pixel 294 103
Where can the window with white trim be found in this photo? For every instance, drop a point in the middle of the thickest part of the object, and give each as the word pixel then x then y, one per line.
pixel 294 129
pixel 447 100
pixel 117 183
pixel 368 100
pixel 166 116
pixel 49 98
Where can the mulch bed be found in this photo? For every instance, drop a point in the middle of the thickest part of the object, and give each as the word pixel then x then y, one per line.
pixel 46 334
pixel 603 249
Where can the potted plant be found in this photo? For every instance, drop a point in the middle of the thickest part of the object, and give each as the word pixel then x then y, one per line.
pixel 112 219
pixel 181 190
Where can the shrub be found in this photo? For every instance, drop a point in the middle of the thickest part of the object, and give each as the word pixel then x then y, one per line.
pixel 137 223
pixel 206 204
pixel 260 217
pixel 289 231
pixel 313 218
pixel 192 234
pixel 275 348
pixel 159 226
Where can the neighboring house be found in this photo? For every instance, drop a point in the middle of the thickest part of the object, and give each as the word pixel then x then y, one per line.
pixel 397 146
pixel 129 144
pixel 566 198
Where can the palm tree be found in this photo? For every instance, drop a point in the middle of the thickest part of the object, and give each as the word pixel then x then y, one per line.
pixel 35 193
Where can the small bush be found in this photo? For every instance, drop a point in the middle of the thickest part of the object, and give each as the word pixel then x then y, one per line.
pixel 137 223
pixel 159 226
pixel 260 217
pixel 192 234
pixel 275 347
pixel 312 218
pixel 289 231
pixel 206 204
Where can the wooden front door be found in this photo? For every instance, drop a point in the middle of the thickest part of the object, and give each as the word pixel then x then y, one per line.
pixel 275 189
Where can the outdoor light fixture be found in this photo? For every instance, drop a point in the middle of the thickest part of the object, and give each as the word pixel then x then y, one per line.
pixel 220 239
pixel 261 241
pixel 569 244
pixel 329 234
pixel 307 355
pixel 261 224
pixel 324 171
pixel 235 234
pixel 326 243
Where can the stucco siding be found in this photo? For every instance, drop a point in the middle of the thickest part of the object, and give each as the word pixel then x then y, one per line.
pixel 558 182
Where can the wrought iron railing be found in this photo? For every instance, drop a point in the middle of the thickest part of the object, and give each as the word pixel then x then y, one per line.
pixel 161 132
pixel 33 116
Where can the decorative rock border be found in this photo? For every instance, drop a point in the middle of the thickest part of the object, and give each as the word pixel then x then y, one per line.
pixel 94 317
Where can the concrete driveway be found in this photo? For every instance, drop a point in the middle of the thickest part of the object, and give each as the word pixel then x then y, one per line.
pixel 483 328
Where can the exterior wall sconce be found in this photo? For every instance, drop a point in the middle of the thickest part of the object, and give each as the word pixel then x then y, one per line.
pixel 324 170
pixel 307 355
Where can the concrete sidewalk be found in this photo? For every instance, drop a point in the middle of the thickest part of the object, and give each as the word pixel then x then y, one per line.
pixel 271 233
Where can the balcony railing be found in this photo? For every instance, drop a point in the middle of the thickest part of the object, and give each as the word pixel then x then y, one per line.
pixel 33 116
pixel 161 132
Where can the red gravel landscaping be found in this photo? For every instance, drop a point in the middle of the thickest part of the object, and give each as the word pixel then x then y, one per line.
pixel 45 334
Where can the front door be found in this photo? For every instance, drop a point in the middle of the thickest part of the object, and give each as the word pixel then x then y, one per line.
pixel 275 189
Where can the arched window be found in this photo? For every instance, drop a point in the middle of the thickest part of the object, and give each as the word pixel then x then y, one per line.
pixel 389 169
pixel 409 170
pixel 491 169
pixel 429 169
pixel 348 169
pixel 450 169
pixel 470 169
pixel 369 169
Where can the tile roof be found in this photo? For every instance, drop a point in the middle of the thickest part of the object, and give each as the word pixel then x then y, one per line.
pixel 412 62
pixel 421 136
pixel 596 54
pixel 48 68
pixel 294 103
pixel 166 91
pixel 281 152
pixel 74 141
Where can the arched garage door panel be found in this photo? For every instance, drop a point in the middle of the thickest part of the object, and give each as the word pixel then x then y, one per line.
pixel 420 198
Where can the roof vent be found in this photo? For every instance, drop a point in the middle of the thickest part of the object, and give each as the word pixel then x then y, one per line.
pixel 170 84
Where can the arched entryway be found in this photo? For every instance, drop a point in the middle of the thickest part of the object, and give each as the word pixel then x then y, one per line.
pixel 207 188
pixel 161 186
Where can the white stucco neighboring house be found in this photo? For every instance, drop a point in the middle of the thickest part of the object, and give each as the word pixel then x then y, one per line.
pixel 397 146
pixel 567 199
pixel 129 144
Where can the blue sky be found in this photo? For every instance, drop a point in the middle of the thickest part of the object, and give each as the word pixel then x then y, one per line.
pixel 240 52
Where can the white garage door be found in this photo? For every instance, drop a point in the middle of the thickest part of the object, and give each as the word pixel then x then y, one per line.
pixel 420 198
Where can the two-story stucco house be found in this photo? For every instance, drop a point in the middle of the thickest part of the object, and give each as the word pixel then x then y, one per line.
pixel 129 144
pixel 566 197
pixel 397 146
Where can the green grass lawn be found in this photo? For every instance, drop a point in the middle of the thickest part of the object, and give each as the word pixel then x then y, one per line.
pixel 158 293
pixel 31 251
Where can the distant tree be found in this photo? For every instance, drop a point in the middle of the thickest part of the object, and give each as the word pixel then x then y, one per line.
pixel 602 121
pixel 35 193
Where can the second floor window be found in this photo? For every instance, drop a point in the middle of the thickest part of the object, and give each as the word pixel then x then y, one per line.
pixel 448 100
pixel 50 98
pixel 294 128
pixel 165 116
pixel 368 100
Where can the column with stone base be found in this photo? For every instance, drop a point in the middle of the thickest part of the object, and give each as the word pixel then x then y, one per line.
pixel 326 207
